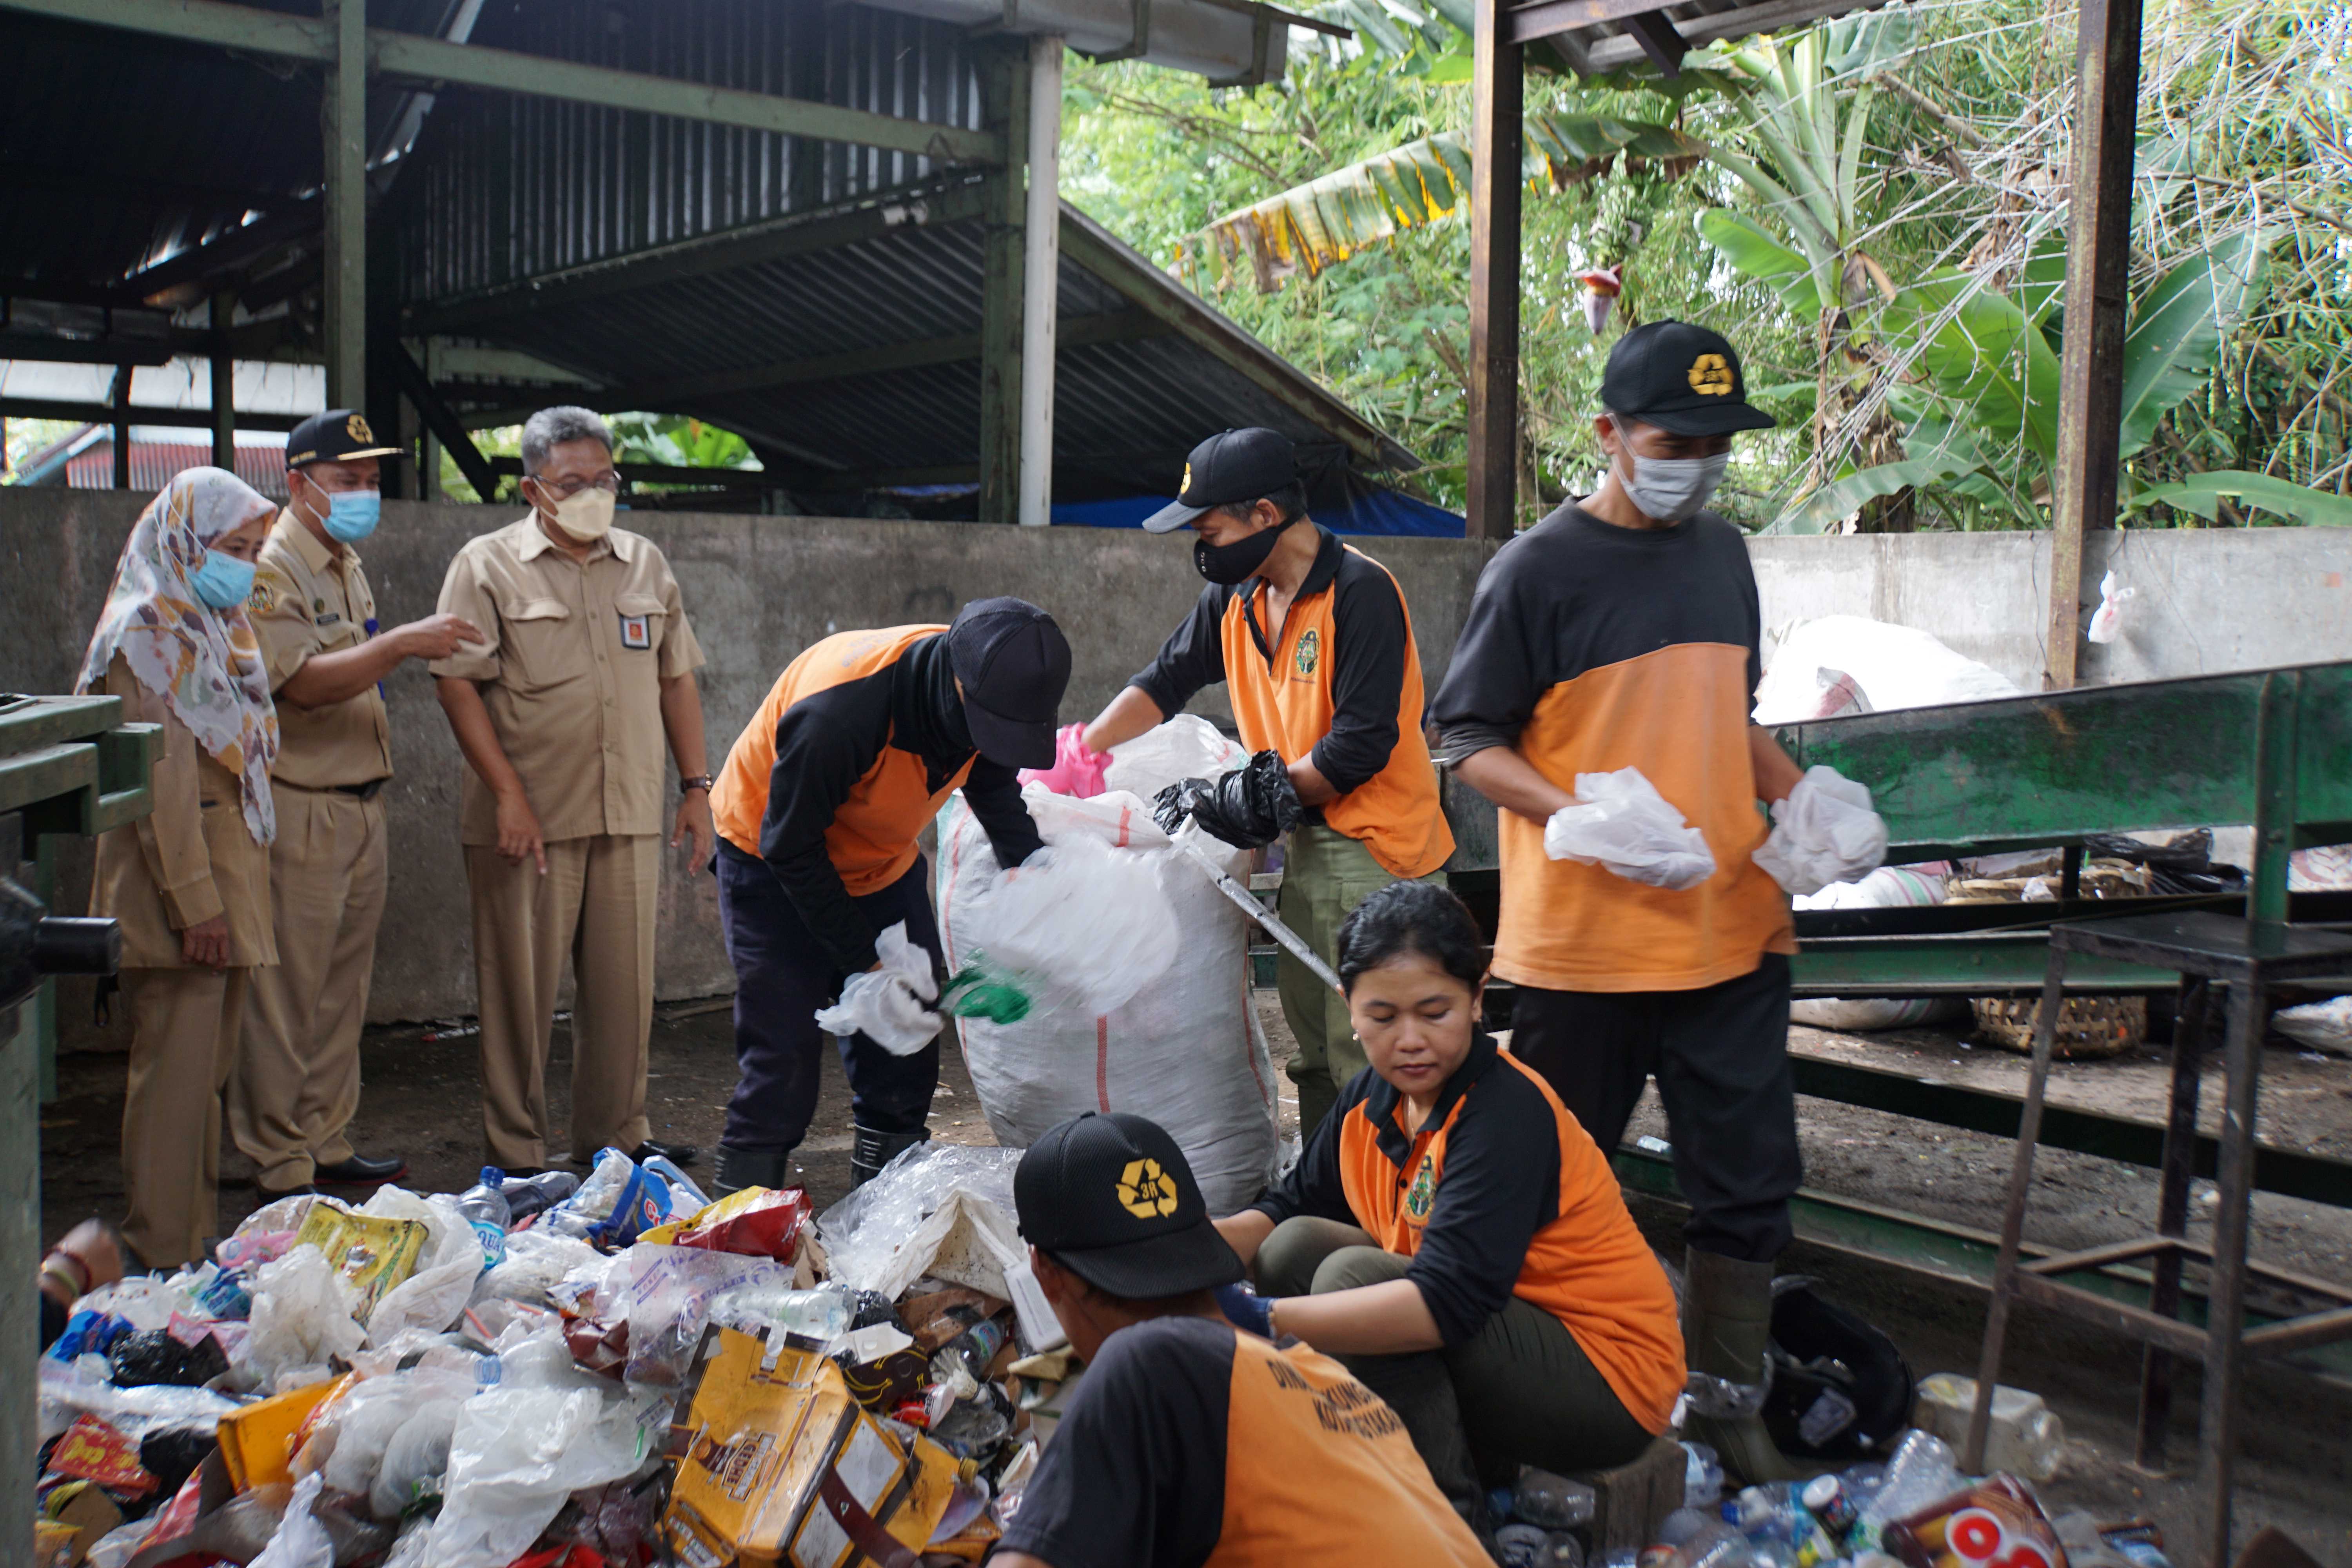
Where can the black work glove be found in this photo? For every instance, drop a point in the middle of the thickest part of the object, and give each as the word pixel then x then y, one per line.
pixel 1250 806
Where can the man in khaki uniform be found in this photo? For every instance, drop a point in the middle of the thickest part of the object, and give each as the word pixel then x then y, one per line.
pixel 589 666
pixel 298 1078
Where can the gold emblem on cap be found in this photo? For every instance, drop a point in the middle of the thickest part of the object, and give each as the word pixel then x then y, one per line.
pixel 357 428
pixel 1146 1191
pixel 1710 376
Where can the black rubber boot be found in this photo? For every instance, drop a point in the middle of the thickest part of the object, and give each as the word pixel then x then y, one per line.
pixel 871 1151
pixel 1726 1325
pixel 739 1168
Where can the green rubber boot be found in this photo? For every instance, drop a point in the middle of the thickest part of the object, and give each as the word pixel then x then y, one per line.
pixel 1726 1322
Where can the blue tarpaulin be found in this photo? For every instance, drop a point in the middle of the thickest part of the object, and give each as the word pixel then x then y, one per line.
pixel 1368 511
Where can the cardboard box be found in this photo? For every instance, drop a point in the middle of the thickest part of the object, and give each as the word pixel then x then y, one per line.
pixel 256 1442
pixel 778 1465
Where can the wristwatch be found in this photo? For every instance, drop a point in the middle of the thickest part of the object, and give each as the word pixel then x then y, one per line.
pixel 699 781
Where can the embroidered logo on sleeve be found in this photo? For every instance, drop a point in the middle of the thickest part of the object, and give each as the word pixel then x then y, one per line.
pixel 636 631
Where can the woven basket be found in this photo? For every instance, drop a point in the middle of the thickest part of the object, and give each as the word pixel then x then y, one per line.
pixel 2088 1027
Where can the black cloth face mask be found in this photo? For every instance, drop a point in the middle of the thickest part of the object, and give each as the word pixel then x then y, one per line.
pixel 1227 564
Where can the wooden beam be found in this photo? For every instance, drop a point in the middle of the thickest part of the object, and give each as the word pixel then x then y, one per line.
pixel 1497 98
pixel 1616 52
pixel 119 400
pixel 103 414
pixel 1006 89
pixel 224 369
pixel 49 349
pixel 669 474
pixel 753 245
pixel 435 62
pixel 446 428
pixel 1656 35
pixel 343 123
pixel 2091 364
pixel 1549 19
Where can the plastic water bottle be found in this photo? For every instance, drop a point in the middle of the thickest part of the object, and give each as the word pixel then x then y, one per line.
pixel 1919 1472
pixel 529 1196
pixel 485 1209
pixel 685 1197
pixel 1553 1502
pixel 1702 1477
pixel 1714 1545
pixel 1769 1512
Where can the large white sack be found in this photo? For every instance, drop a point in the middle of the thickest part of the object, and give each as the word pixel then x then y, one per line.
pixel 1888 888
pixel 1181 1051
pixel 1894 667
pixel 1186 747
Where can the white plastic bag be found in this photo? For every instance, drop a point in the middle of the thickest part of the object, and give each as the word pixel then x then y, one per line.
pixel 1896 667
pixel 1181 1050
pixel 536 1260
pixel 2107 620
pixel 1186 747
pixel 1825 832
pixel 301 1320
pixel 301 1542
pixel 889 1006
pixel 515 1456
pixel 430 1298
pixel 1620 822
pixel 884 1230
pixel 1888 888
pixel 668 1304
pixel 2322 1026
pixel 1080 926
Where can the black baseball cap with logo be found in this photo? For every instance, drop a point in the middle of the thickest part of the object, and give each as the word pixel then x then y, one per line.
pixel 1014 664
pixel 1680 378
pixel 1111 1198
pixel 1229 468
pixel 338 436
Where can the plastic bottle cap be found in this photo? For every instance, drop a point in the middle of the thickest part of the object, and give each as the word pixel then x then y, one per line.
pixel 1820 1490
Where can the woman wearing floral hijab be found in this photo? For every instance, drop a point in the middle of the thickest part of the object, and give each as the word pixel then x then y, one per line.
pixel 190 881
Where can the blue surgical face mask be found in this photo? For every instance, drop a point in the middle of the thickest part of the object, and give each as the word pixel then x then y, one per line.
pixel 352 514
pixel 223 581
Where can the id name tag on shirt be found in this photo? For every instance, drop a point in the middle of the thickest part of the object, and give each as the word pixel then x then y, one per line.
pixel 636 631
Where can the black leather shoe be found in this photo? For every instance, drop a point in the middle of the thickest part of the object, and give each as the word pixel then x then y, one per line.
pixel 679 1155
pixel 360 1172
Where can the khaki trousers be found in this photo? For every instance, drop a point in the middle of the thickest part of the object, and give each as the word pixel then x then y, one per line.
pixel 1325 874
pixel 596 903
pixel 298 1074
pixel 184 1033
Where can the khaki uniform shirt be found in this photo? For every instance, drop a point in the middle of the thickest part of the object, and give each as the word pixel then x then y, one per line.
pixel 190 858
pixel 571 675
pixel 312 598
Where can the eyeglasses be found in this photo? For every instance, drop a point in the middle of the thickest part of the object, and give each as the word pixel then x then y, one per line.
pixel 609 481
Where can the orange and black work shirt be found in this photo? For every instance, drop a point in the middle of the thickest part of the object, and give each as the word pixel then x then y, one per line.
pixel 1189 1443
pixel 857 744
pixel 1590 647
pixel 1501 1193
pixel 1341 682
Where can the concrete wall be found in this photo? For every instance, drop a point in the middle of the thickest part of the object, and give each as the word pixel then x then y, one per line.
pixel 758 590
pixel 2209 600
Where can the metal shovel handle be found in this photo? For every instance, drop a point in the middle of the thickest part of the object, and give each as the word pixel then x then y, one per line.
pixel 1248 904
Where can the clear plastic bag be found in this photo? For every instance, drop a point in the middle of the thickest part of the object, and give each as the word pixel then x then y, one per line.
pixel 430 1298
pixel 1081 927
pixel 536 1260
pixel 669 1295
pixel 301 1320
pixel 1621 823
pixel 301 1542
pixel 1825 832
pixel 879 1232
pixel 515 1456
pixel 1186 747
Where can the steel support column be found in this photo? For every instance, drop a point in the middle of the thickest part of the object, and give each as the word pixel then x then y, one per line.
pixel 2090 370
pixel 118 401
pixel 1006 84
pixel 1041 274
pixel 344 122
pixel 224 367
pixel 1498 91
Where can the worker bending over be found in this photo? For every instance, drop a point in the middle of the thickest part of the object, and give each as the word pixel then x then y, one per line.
pixel 1456 1239
pixel 1189 1442
pixel 1314 645
pixel 1622 631
pixel 298 1076
pixel 819 806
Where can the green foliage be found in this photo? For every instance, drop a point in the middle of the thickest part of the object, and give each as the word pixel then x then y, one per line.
pixel 677 440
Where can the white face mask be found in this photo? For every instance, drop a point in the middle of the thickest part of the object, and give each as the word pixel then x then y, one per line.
pixel 587 516
pixel 1670 488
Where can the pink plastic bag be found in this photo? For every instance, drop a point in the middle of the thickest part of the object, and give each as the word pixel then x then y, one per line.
pixel 1076 772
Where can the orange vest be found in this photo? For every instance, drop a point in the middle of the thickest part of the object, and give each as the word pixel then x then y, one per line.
pixel 1590 1268
pixel 1286 707
pixel 872 840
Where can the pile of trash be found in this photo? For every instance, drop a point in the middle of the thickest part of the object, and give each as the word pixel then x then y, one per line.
pixel 557 1374
pixel 1914 1509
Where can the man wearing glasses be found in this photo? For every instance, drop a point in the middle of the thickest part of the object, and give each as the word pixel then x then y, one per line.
pixel 588 668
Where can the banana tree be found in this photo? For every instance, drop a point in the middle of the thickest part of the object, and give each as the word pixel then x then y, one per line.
pixel 1981 400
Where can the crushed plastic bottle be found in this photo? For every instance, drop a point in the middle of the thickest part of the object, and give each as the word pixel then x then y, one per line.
pixel 1553 1502
pixel 2026 1439
pixel 485 1209
pixel 1919 1472
pixel 1769 1512
pixel 529 1196
pixel 1720 1399
pixel 822 1313
pixel 1684 1522
pixel 1714 1544
pixel 1702 1477
pixel 1524 1545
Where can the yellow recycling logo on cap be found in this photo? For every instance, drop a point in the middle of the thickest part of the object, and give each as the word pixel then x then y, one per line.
pixel 1146 1191
pixel 1710 376
pixel 1188 481
pixel 357 428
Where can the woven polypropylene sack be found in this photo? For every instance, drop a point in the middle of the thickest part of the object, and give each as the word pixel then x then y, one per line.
pixel 1180 1051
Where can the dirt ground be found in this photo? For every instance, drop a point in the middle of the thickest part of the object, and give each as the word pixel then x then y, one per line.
pixel 421 1101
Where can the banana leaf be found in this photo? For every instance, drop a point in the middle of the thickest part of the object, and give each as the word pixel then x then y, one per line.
pixel 1843 496
pixel 1329 219
pixel 1979 350
pixel 2177 328
pixel 2201 493
pixel 1750 248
